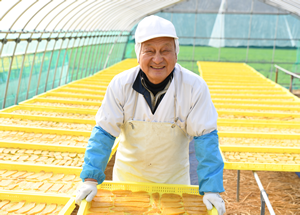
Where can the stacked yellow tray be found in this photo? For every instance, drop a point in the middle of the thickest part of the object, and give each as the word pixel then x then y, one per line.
pixel 42 145
pixel 259 121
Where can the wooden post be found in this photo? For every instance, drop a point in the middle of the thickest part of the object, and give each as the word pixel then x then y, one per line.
pixel 291 84
pixel 276 75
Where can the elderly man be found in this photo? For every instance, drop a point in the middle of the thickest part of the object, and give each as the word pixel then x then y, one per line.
pixel 156 109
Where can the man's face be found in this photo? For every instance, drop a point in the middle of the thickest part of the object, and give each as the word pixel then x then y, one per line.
pixel 158 58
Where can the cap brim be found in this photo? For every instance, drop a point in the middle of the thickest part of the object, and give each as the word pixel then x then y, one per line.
pixel 156 36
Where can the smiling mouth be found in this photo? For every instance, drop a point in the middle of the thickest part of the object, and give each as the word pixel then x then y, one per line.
pixel 157 67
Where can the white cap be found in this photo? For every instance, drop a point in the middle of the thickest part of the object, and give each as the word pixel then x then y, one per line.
pixel 153 27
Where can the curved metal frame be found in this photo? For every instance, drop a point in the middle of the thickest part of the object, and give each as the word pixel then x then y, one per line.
pixel 93 16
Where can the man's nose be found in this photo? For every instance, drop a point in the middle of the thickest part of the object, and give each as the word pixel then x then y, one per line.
pixel 157 58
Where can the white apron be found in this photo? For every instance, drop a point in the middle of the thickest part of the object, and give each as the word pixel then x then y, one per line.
pixel 152 152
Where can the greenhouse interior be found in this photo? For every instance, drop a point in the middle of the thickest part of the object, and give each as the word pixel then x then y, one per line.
pixel 57 59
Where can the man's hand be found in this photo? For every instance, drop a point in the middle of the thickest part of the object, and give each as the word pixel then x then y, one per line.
pixel 215 199
pixel 87 190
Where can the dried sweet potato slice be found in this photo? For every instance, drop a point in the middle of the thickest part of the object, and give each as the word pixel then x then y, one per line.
pixel 129 209
pixel 171 205
pixel 102 210
pixel 101 204
pixel 173 211
pixel 187 199
pixel 8 173
pixel 58 209
pixel 37 185
pixel 7 206
pixel 132 204
pixel 69 177
pixel 3 203
pixel 199 209
pixel 26 208
pixel 57 177
pixel 121 192
pixel 56 187
pixel 166 199
pixel 36 175
pixel 45 187
pixel 132 199
pixel 16 206
pixel 37 209
pixel 102 192
pixel 65 188
pixel 4 183
pixel 11 186
pixel 18 174
pixel 196 213
pixel 26 175
pixel 33 157
pixel 23 157
pixel 188 195
pixel 97 213
pixel 45 176
pixel 193 204
pixel 2 171
pixel 102 199
pixel 140 193
pixel 49 209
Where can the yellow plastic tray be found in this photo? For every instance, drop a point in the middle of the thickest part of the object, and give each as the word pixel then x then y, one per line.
pixel 237 83
pixel 87 86
pixel 253 107
pixel 249 123
pixel 48 109
pixel 66 95
pixel 236 92
pixel 257 135
pixel 149 187
pixel 40 168
pixel 69 202
pixel 44 130
pixel 247 96
pixel 51 147
pixel 47 147
pixel 47 118
pixel 69 90
pixel 33 100
pixel 260 166
pixel 258 114
pixel 259 121
pixel 244 101
pixel 230 79
pixel 242 88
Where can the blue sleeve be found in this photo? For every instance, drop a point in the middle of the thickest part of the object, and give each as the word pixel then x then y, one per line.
pixel 97 154
pixel 211 165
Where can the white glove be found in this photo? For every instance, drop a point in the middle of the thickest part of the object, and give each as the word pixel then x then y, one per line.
pixel 87 191
pixel 210 199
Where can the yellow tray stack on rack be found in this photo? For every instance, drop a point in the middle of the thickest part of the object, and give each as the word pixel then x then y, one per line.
pixel 43 142
pixel 259 121
pixel 148 187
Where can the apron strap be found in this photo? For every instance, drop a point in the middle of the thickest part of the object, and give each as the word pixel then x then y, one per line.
pixel 135 104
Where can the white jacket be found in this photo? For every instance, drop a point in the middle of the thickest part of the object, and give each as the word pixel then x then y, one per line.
pixel 196 112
